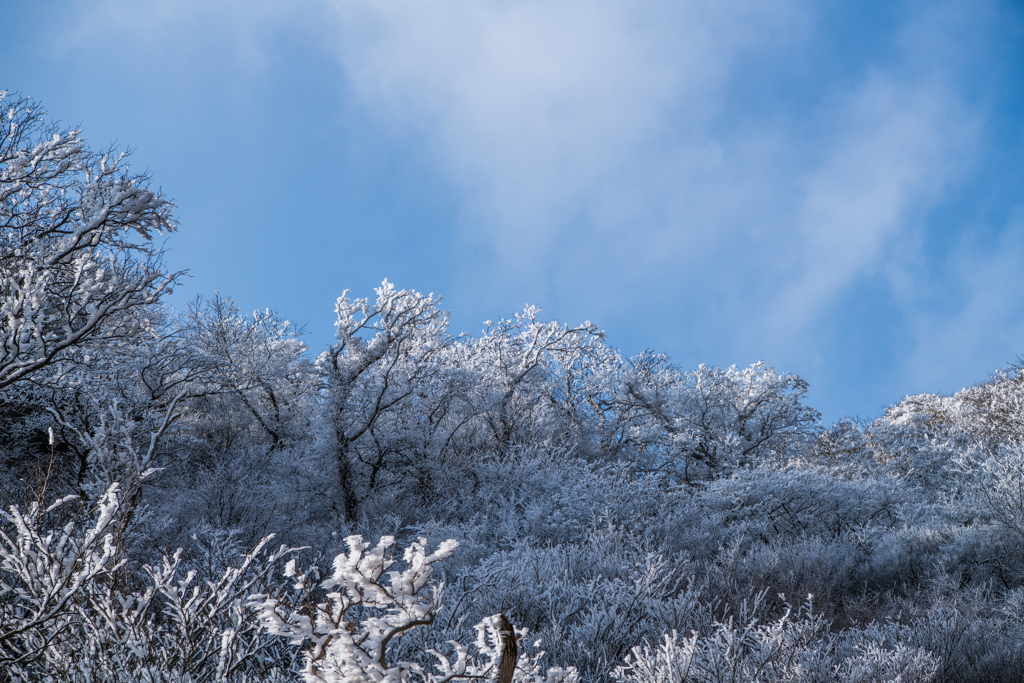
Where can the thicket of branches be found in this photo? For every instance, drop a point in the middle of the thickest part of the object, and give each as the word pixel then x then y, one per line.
pixel 185 495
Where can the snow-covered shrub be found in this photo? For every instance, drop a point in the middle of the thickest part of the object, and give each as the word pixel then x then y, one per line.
pixel 736 649
pixel 353 632
pixel 832 571
pixel 795 648
pixel 874 663
pixel 844 446
pixel 589 601
pixel 807 529
pixel 547 494
pixel 974 634
pixel 70 612
pixel 908 557
pixel 247 492
pixel 49 572
pixel 809 501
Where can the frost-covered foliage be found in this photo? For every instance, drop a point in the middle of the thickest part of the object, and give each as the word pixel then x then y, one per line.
pixel 641 522
pixel 252 367
pixel 407 403
pixel 644 522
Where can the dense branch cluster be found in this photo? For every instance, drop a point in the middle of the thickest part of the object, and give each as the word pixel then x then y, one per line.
pixel 548 510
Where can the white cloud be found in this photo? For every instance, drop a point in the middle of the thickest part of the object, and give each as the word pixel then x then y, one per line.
pixel 541 109
pixel 597 138
pixel 609 137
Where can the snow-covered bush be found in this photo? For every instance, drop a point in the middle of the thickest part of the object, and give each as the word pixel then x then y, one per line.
pixel 974 634
pixel 48 573
pixel 994 485
pixel 588 601
pixel 354 629
pixel 802 501
pixel 70 612
pixel 795 648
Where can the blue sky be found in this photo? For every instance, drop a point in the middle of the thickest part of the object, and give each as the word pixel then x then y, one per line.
pixel 832 187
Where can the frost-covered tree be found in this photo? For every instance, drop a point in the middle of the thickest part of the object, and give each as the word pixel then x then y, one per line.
pixel 252 370
pixel 76 242
pixel 385 352
pixel 143 378
pixel 412 407
pixel 712 418
pixel 69 610
pixel 532 376
pixel 996 407
pixel 45 573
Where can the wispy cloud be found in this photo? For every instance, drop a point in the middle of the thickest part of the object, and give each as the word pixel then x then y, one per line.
pixel 895 145
pixel 551 113
pixel 608 136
